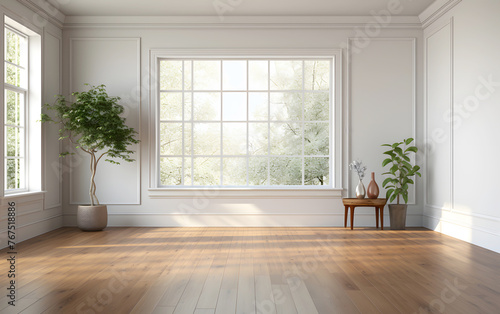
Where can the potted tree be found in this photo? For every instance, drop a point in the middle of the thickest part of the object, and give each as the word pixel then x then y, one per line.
pixel 92 123
pixel 399 179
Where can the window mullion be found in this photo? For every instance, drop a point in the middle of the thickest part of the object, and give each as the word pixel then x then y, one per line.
pixel 303 119
pixel 221 179
pixel 268 122
pixel 16 65
pixel 183 127
pixel 248 125
pixel 192 121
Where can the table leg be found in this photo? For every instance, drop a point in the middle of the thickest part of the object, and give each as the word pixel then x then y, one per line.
pixel 376 215
pixel 352 217
pixel 382 217
pixel 345 216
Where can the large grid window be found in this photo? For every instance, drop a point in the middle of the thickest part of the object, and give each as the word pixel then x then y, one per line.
pixel 245 122
pixel 15 94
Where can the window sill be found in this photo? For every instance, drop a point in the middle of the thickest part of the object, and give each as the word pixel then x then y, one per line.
pixel 24 194
pixel 221 193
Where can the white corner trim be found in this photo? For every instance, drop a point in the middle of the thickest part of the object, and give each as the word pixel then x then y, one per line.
pixel 45 10
pixel 246 193
pixel 436 10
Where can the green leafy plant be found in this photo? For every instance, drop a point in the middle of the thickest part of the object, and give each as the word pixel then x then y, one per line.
pixel 401 170
pixel 92 123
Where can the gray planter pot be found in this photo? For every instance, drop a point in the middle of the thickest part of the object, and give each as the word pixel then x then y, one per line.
pixel 92 218
pixel 397 215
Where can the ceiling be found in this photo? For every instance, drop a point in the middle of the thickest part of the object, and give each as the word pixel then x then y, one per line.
pixel 235 7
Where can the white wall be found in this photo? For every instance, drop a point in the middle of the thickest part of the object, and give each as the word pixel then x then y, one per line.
pixel 41 212
pixel 105 51
pixel 462 127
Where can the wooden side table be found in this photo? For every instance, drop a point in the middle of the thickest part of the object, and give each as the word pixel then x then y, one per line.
pixel 352 203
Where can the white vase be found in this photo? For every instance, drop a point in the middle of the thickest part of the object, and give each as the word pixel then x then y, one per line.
pixel 360 190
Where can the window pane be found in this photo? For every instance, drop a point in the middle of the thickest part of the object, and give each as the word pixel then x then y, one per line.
pixel 317 75
pixel 316 171
pixel 234 171
pixel 316 139
pixel 235 106
pixel 234 75
pixel 14 174
pixel 187 171
pixel 207 75
pixel 207 106
pixel 286 75
pixel 286 139
pixel 188 75
pixel 258 142
pixel 234 139
pixel 171 75
pixel 15 75
pixel 286 171
pixel 171 106
pixel 188 106
pixel 257 171
pixel 206 138
pixel 258 106
pixel 171 171
pixel 258 75
pixel 15 47
pixel 317 107
pixel 188 127
pixel 286 106
pixel 171 138
pixel 206 171
pixel 14 141
pixel 14 108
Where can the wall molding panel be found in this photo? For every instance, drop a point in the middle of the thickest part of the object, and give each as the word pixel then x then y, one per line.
pixel 95 61
pixel 411 64
pixel 445 30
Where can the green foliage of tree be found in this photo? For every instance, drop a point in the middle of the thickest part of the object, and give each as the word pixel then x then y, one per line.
pixel 400 171
pixel 93 124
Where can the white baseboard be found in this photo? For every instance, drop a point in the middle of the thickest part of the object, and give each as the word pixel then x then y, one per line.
pixel 477 236
pixel 33 229
pixel 240 220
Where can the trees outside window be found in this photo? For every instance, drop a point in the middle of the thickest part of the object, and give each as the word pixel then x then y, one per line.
pixel 245 122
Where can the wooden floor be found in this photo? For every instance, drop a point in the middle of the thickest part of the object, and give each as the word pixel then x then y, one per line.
pixel 252 270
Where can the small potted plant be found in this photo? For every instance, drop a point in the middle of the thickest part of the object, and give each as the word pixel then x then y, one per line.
pixel 92 123
pixel 399 179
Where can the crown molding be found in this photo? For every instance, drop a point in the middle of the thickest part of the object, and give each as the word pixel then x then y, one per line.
pixel 236 21
pixel 436 10
pixel 46 11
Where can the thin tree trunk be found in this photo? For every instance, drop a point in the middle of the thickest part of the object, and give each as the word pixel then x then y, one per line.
pixel 93 168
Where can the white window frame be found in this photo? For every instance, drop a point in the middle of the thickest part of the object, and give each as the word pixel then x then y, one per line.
pixel 32 108
pixel 24 91
pixel 155 190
